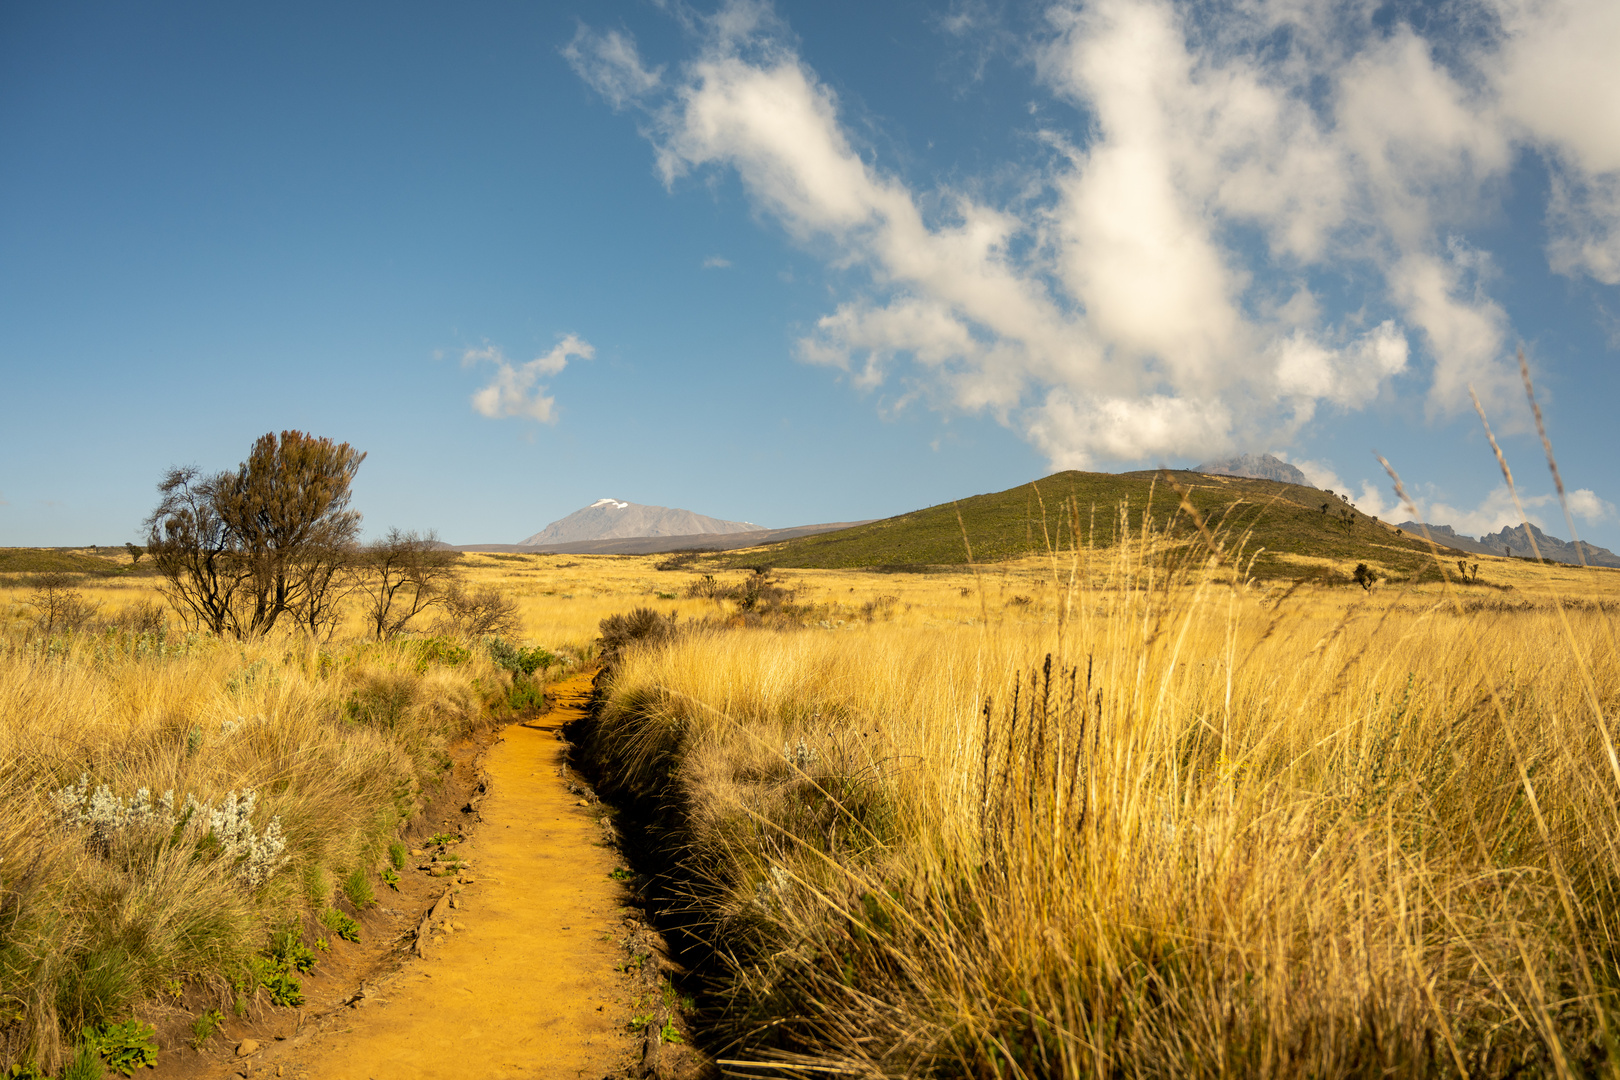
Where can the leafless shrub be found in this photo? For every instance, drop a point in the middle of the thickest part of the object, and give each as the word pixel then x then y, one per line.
pixel 58 604
pixel 402 575
pixel 643 626
pixel 477 613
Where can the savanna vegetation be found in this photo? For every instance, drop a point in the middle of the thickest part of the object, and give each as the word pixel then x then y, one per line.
pixel 208 756
pixel 1156 818
pixel 1149 807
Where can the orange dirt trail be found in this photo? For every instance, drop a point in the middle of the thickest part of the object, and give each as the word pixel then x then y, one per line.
pixel 528 988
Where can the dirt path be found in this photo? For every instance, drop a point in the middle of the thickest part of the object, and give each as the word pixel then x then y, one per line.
pixel 525 983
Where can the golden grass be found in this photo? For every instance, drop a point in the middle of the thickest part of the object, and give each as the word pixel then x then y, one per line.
pixel 340 745
pixel 1291 831
pixel 1236 833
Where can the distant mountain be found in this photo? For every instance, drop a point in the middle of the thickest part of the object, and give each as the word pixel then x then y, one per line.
pixel 1255 467
pixel 1515 541
pixel 1446 536
pixel 607 519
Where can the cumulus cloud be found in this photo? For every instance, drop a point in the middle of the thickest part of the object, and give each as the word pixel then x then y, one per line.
pixel 1145 295
pixel 515 389
pixel 716 262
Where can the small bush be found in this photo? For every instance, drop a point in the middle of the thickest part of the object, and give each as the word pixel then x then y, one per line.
pixel 516 659
pixel 525 695
pixel 205 1026
pixel 357 889
pixel 340 924
pixel 84 1065
pixel 439 650
pixel 643 626
pixel 475 613
pixel 396 855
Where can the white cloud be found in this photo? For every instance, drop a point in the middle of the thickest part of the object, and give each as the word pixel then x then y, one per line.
pixel 716 262
pixel 515 389
pixel 1120 309
pixel 1584 503
pixel 610 64
pixel 1559 82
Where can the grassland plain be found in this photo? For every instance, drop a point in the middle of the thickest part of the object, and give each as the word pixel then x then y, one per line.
pixel 1272 768
pixel 1160 820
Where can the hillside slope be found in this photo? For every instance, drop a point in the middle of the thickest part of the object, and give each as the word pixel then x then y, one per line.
pixel 1282 519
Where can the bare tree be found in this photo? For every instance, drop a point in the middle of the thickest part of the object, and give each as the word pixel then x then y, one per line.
pixel 403 575
pixel 477 613
pixel 322 577
pixel 58 604
pixel 231 546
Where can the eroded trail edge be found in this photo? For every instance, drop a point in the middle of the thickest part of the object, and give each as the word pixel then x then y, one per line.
pixel 520 974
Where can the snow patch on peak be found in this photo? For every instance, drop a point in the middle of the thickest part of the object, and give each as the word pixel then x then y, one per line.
pixel 615 503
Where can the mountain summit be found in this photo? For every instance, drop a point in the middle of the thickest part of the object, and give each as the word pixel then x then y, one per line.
pixel 608 519
pixel 1255 467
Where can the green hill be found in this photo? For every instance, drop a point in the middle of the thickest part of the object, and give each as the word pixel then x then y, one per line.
pixel 1277 517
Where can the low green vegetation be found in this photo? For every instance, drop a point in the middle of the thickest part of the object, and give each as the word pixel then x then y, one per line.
pixel 340 924
pixel 125 1047
pixel 1268 519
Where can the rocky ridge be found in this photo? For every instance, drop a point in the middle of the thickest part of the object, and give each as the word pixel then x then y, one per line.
pixel 1255 467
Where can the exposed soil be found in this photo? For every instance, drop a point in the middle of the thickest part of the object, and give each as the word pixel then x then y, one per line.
pixel 515 966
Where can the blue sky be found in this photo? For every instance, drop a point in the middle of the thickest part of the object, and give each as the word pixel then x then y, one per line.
pixel 803 262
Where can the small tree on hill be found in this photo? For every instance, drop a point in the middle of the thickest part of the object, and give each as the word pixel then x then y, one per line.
pixel 1364 577
pixel 135 552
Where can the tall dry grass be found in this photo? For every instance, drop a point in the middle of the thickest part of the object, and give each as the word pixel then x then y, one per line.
pixel 1221 832
pixel 341 746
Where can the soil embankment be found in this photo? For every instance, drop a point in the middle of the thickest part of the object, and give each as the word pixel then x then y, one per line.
pixel 521 978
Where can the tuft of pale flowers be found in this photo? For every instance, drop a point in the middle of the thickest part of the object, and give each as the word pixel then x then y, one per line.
pixel 252 856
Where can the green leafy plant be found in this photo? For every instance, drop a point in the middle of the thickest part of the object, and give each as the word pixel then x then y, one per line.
pixel 24 1070
pixel 391 879
pixel 357 887
pixel 127 1046
pixel 322 944
pixel 205 1026
pixel 288 951
pixel 340 924
pixel 670 1033
pixel 444 838
pixel 619 873
pixel 285 989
